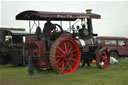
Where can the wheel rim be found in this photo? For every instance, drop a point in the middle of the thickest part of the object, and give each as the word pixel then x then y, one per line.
pixel 103 59
pixel 67 56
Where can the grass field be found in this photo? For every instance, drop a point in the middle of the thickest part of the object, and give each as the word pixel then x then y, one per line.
pixel 114 75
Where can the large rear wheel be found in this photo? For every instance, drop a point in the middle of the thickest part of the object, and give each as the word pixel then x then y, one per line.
pixel 65 55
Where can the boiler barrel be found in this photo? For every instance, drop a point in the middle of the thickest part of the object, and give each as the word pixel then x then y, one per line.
pixel 82 43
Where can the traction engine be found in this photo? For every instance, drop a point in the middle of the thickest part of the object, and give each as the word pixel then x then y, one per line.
pixel 67 48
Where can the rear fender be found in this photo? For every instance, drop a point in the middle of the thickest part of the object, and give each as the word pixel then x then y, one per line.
pixel 35 45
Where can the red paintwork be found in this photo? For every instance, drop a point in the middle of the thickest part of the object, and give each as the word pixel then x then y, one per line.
pixel 67 64
pixel 37 48
pixel 35 45
pixel 105 58
pixel 122 50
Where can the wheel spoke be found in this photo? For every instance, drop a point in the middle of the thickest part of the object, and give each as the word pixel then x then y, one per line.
pixel 58 52
pixel 58 60
pixel 74 59
pixel 63 67
pixel 66 66
pixel 68 44
pixel 65 46
pixel 61 63
pixel 73 50
pixel 62 46
pixel 70 62
pixel 70 48
pixel 106 59
pixel 72 55
pixel 61 49
pixel 69 66
pixel 59 56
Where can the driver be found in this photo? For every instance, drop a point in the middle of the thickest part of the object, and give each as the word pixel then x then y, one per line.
pixel 48 27
pixel 83 32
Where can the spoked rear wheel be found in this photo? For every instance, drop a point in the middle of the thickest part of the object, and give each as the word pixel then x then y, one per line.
pixel 102 59
pixel 65 55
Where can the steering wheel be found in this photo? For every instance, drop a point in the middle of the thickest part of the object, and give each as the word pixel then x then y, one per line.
pixel 58 26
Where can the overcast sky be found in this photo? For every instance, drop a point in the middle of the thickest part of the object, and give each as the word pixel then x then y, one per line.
pixel 113 22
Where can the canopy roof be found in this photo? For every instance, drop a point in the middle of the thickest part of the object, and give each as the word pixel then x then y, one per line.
pixel 56 16
pixel 12 28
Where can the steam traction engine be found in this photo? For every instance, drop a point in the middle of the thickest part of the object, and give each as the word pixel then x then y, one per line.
pixel 67 48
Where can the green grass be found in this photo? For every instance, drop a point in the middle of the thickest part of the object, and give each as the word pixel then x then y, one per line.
pixel 114 75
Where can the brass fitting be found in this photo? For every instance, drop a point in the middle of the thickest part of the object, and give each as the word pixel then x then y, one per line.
pixel 89 11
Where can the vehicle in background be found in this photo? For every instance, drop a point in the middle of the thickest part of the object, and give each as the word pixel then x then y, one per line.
pixel 117 46
pixel 12 47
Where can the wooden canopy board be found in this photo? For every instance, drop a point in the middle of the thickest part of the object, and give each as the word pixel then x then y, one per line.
pixel 55 16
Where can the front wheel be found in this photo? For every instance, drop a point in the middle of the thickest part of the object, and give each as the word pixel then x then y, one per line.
pixel 102 59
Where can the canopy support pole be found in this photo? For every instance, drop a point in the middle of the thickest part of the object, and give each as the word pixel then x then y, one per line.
pixel 29 26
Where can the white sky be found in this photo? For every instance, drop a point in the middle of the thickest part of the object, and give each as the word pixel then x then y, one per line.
pixel 113 22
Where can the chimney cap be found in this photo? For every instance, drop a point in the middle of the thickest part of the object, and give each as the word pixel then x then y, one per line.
pixel 88 11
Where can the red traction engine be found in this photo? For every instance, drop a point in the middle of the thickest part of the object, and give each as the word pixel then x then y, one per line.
pixel 67 48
